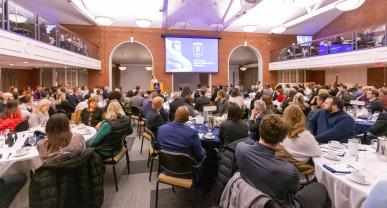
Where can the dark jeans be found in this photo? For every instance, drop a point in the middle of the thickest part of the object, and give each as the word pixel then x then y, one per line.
pixel 313 195
pixel 9 187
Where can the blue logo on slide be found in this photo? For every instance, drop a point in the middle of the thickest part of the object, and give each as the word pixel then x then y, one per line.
pixel 197 49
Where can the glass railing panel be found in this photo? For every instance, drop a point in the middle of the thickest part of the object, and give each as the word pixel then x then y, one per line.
pixel 342 43
pixel 2 21
pixel 65 39
pixel 47 32
pixel 90 50
pixel 21 21
pixel 78 45
pixel 371 37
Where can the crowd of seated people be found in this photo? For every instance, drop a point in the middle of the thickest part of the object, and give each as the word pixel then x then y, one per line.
pixel 284 146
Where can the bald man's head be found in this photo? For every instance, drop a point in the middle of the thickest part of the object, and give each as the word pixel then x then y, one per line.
pixel 157 103
pixel 182 114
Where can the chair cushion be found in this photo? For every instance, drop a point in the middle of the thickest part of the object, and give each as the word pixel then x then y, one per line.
pixel 181 182
pixel 116 157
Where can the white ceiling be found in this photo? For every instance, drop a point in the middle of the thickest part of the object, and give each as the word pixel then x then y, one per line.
pixel 23 63
pixel 266 14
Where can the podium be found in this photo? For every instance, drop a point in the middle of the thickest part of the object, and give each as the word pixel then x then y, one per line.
pixel 156 86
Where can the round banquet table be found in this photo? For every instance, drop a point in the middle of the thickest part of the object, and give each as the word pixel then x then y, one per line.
pixel 362 125
pixel 342 191
pixel 9 164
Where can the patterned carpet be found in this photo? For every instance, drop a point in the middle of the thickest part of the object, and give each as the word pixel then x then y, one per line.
pixel 135 191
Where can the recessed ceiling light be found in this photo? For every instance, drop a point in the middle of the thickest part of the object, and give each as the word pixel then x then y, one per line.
pixel 65 67
pixel 143 23
pixel 25 62
pixel 278 30
pixel 243 68
pixel 148 68
pixel 122 68
pixel 105 21
pixel 17 18
pixel 249 28
pixel 11 64
pixel 216 26
pixel 347 5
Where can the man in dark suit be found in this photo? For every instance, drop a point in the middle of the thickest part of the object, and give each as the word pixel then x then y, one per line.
pixel 76 97
pixel 177 102
pixel 154 119
pixel 374 104
pixel 257 114
pixel 380 126
pixel 202 101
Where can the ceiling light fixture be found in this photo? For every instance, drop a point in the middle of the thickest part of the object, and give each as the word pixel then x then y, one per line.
pixel 17 18
pixel 243 68
pixel 148 68
pixel 11 64
pixel 143 23
pixel 249 28
pixel 279 29
pixel 347 5
pixel 122 68
pixel 25 62
pixel 104 21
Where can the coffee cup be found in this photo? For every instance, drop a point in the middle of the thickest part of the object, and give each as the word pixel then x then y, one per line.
pixel 334 143
pixel 358 176
pixel 209 135
pixel 331 155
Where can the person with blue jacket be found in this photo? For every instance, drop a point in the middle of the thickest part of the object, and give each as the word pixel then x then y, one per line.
pixel 331 122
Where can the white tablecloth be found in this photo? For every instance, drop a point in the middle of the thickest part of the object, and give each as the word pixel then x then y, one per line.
pixel 343 192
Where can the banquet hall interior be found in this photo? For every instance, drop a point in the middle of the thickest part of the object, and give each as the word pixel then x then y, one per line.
pixel 193 103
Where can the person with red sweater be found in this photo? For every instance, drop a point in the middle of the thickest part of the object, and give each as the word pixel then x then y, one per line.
pixel 281 95
pixel 11 116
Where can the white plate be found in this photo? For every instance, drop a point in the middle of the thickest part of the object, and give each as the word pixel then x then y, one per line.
pixel 207 137
pixel 22 154
pixel 366 182
pixel 336 147
pixel 337 157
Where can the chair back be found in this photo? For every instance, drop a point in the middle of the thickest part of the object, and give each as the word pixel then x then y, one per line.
pixel 22 126
pixel 135 110
pixel 152 137
pixel 176 163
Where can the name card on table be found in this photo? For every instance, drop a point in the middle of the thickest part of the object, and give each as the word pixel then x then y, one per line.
pixel 357 102
pixel 209 108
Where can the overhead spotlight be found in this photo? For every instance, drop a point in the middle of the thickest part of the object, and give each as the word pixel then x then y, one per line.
pixel 11 64
pixel 17 18
pixel 143 23
pixel 25 62
pixel 279 29
pixel 148 68
pixel 122 68
pixel 131 39
pixel 243 68
pixel 105 21
pixel 347 5
pixel 249 28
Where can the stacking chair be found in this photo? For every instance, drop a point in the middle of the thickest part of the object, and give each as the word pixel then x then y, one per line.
pixel 178 169
pixel 115 144
pixel 136 117
pixel 22 126
pixel 153 149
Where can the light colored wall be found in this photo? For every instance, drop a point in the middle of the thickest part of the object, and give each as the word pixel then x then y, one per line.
pixel 234 68
pixel 135 74
pixel 185 79
pixel 348 76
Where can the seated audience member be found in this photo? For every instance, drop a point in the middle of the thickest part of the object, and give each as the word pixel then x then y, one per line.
pixel 377 197
pixel 257 96
pixel 383 96
pixel 40 114
pixel 236 98
pixel 188 102
pixel 10 185
pixel 186 91
pixel 374 104
pixel 91 115
pixel 37 94
pixel 363 95
pixel 269 103
pixel 177 137
pixel 331 122
pixel 281 96
pixel 380 126
pixel 221 103
pixel 128 97
pixel 148 106
pixel 114 126
pixel 234 127
pixel 177 102
pixel 257 114
pixel 299 101
pixel 202 101
pixel 11 116
pixel 320 99
pixel 137 99
pixel 153 118
pixel 276 177
pixel 59 140
pixel 26 105
pixel 76 97
pixel 299 146
pixel 114 95
pixel 63 105
pixel 289 98
pixel 5 97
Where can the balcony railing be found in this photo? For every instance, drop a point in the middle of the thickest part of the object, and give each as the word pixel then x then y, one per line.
pixel 366 38
pixel 19 20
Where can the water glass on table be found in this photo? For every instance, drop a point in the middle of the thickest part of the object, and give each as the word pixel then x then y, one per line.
pixel 353 146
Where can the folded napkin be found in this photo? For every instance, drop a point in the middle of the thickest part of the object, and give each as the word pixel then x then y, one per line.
pixel 39 136
pixel 338 168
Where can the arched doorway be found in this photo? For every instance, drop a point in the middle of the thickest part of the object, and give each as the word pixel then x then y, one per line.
pixel 245 66
pixel 138 62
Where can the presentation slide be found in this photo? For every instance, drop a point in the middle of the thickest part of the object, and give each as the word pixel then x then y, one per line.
pixel 191 55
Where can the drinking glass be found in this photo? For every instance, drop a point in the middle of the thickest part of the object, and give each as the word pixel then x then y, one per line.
pixel 32 140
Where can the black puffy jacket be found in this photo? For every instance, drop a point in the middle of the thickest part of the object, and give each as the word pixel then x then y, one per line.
pixel 227 167
pixel 70 180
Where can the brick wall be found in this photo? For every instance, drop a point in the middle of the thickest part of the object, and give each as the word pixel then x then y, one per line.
pixel 107 38
pixel 372 12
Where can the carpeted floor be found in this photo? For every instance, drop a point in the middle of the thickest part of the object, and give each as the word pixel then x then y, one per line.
pixel 135 191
